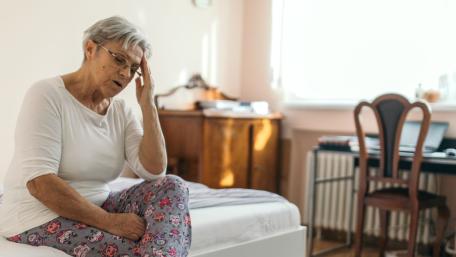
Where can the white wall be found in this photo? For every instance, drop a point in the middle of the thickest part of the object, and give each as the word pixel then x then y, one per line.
pixel 42 38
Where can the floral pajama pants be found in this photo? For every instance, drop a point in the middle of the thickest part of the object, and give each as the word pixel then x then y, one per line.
pixel 164 206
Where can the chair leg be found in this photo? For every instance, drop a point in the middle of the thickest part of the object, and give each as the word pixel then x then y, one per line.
pixel 359 227
pixel 413 229
pixel 384 222
pixel 442 222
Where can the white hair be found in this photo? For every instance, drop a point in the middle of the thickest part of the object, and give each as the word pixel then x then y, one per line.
pixel 116 28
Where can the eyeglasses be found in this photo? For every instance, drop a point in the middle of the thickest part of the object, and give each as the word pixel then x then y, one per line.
pixel 121 62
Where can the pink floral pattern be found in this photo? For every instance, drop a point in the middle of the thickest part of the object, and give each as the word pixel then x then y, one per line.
pixel 163 204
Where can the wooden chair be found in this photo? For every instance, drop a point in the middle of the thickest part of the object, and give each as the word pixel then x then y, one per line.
pixel 390 111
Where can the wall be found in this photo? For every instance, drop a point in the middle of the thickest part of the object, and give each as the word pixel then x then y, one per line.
pixel 44 38
pixel 302 126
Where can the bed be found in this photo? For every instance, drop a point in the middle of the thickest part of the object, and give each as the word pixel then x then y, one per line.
pixel 229 222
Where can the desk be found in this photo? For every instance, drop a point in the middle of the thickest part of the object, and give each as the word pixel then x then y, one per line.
pixel 435 163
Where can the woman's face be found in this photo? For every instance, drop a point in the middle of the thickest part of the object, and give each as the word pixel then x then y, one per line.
pixel 111 66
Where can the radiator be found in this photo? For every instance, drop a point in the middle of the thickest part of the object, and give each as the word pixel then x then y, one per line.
pixel 332 200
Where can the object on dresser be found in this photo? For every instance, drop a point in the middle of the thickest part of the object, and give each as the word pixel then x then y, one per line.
pixel 217 104
pixel 241 107
pixel 185 97
pixel 259 107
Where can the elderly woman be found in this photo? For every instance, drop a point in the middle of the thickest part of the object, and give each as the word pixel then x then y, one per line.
pixel 73 136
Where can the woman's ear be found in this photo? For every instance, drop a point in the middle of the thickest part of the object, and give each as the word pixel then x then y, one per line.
pixel 90 49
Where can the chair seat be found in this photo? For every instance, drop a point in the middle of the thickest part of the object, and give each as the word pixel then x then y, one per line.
pixel 398 198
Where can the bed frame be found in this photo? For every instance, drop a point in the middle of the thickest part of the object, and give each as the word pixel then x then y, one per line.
pixel 290 244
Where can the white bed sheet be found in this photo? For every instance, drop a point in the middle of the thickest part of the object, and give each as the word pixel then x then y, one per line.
pixel 219 227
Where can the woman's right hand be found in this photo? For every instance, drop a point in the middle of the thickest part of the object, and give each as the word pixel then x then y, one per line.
pixel 128 225
pixel 59 196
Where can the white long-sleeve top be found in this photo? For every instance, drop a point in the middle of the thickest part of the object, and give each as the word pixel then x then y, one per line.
pixel 56 134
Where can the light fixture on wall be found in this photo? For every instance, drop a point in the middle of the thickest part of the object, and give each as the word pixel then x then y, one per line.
pixel 202 3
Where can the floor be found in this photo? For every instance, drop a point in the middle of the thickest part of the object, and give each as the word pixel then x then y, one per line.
pixel 367 252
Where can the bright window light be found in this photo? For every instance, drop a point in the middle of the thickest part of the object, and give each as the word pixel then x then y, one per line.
pixel 333 50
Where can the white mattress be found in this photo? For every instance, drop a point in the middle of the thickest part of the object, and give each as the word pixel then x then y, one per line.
pixel 218 227
pixel 212 228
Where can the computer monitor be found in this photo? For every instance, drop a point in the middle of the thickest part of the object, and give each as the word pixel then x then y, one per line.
pixel 434 137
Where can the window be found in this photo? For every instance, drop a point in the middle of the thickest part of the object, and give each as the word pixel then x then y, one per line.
pixel 339 51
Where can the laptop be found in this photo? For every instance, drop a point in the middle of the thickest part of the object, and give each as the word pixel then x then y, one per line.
pixel 410 132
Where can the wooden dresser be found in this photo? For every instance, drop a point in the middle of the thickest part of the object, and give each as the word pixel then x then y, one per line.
pixel 221 151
